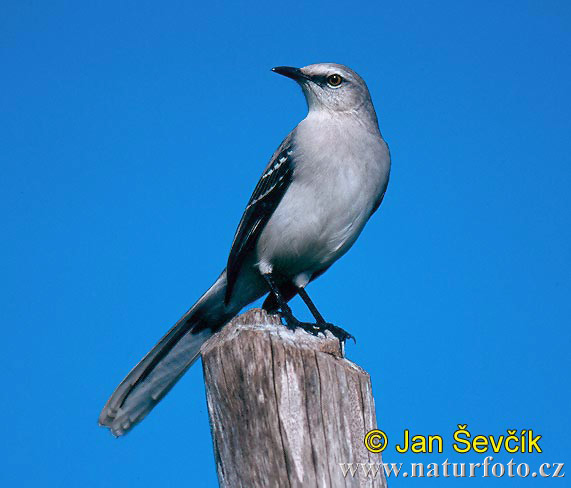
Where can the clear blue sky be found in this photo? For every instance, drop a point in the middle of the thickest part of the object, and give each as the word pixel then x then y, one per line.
pixel 132 136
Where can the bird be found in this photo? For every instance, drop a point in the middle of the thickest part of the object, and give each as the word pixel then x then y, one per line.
pixel 319 189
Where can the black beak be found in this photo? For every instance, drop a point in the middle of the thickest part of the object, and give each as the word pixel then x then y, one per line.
pixel 293 73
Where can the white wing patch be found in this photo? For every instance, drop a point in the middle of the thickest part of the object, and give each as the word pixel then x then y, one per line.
pixel 275 167
pixel 269 172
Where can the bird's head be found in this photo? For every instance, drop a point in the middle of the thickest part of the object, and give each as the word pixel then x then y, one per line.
pixel 330 86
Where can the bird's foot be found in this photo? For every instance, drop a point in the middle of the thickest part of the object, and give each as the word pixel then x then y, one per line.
pixel 338 332
pixel 320 327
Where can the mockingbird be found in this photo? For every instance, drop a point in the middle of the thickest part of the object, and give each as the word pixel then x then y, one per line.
pixel 313 199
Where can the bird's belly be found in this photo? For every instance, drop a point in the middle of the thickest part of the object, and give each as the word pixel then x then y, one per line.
pixel 311 229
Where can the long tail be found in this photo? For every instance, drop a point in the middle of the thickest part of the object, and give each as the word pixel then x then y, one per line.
pixel 151 379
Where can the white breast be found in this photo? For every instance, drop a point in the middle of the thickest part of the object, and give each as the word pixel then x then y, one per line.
pixel 341 169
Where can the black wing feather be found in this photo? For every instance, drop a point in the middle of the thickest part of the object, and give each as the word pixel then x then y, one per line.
pixel 266 197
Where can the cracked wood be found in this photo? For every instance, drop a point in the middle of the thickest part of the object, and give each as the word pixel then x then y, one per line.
pixel 285 407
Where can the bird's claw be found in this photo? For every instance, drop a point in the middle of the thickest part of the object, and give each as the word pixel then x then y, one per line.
pixel 338 332
pixel 316 328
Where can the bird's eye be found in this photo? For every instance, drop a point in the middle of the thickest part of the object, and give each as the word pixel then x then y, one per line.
pixel 334 80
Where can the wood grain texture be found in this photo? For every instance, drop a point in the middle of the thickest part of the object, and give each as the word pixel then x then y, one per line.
pixel 285 407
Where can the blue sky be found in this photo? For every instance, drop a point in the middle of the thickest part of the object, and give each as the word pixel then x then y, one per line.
pixel 132 136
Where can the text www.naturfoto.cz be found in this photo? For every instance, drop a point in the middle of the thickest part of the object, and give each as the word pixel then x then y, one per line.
pixel 454 470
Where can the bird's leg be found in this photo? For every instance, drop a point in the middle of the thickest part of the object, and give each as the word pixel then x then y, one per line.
pixel 312 308
pixel 338 332
pixel 291 322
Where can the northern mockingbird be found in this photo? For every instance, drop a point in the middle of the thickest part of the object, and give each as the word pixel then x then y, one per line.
pixel 313 199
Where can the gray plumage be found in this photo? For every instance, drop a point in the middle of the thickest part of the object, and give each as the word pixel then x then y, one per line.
pixel 314 197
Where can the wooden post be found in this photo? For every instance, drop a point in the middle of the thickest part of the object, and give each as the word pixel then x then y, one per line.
pixel 286 408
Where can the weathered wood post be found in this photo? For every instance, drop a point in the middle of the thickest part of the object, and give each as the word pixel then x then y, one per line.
pixel 286 408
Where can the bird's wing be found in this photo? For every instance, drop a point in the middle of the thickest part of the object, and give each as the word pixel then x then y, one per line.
pixel 266 197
